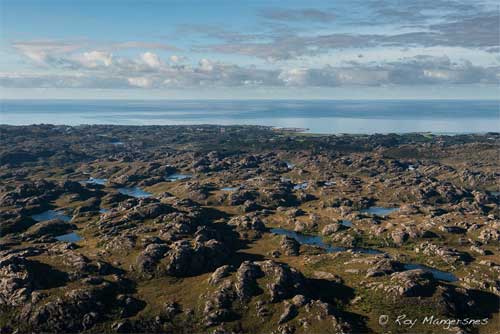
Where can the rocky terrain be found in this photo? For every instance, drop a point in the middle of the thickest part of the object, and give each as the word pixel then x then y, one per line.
pixel 208 229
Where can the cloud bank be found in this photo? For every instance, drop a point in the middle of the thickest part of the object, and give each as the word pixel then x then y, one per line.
pixel 290 47
pixel 98 69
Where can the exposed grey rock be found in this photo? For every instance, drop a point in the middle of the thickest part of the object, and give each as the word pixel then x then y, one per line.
pixel 289 246
pixel 399 237
pixel 288 314
pixel 76 310
pixel 412 283
pixel 285 281
pixel 219 274
pixel 331 229
pixel 246 277
pixel 384 267
pixel 299 300
pixel 146 261
pixel 185 259
pixel 218 307
pixel 246 223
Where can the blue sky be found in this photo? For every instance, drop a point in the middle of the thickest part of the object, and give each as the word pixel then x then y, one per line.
pixel 356 49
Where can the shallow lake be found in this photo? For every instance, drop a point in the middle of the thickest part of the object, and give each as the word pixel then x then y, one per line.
pixel 229 188
pixel 134 192
pixel 69 237
pixel 51 214
pixel 379 211
pixel 314 240
pixel 438 274
pixel 178 177
pixel 94 180
pixel 299 186
pixel 346 223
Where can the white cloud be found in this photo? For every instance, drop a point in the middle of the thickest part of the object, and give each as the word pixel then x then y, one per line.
pixel 41 51
pixel 151 59
pixel 177 59
pixel 141 82
pixel 102 69
pixel 37 56
pixel 95 59
pixel 206 65
pixel 294 76
pixel 52 45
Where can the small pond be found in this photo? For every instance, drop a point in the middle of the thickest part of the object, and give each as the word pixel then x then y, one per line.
pixel 299 186
pixel 289 164
pixel 51 214
pixel 314 240
pixel 178 177
pixel 438 274
pixel 346 223
pixel 103 210
pixel 93 180
pixel 379 211
pixel 229 188
pixel 70 237
pixel 134 192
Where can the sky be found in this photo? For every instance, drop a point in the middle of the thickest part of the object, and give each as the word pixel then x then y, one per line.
pixel 152 49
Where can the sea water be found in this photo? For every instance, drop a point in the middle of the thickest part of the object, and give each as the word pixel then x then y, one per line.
pixel 318 116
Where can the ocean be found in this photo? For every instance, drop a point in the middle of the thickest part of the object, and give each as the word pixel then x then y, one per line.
pixel 317 116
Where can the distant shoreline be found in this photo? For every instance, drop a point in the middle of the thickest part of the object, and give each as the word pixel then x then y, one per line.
pixel 238 100
pixel 289 131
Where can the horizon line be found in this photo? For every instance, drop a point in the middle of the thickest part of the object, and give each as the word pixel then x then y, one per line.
pixel 250 99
